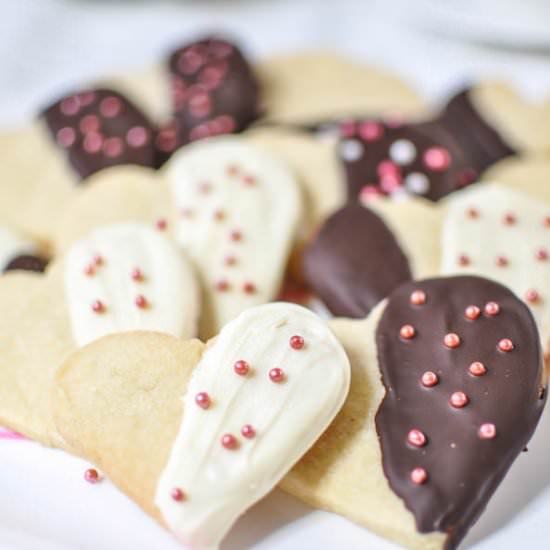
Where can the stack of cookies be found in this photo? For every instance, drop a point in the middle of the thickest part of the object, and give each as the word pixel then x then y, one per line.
pixel 291 273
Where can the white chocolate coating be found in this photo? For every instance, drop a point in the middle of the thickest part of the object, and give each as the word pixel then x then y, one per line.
pixel 220 484
pixel 260 203
pixel 168 284
pixel 13 245
pixel 486 235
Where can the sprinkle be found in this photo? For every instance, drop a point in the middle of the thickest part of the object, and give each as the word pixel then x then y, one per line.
pixel 458 399
pixel 351 150
pixel 418 298
pixel 137 275
pixel 89 270
pixel 541 254
pixel 230 260
pixel 419 476
pixel 276 375
pixel 204 187
pixel 492 309
pixel 451 340
pixel 177 494
pixel 98 259
pixel 437 159
pixel 70 106
pixel 472 312
pixel 296 342
pixel 249 180
pixel 241 367
pixel 416 438
pixel 505 345
pixel 502 261
pixel 546 221
pixel 110 107
pixel 219 215
pixel 430 379
pixel 477 368
pixel 229 441
pixel 407 332
pixel 232 170
pixel 89 123
pixel 161 224
pixel 235 235
pixel 137 136
pixel 509 219
pixel 487 431
pixel 93 142
pixel 532 296
pixel 463 260
pixel 91 475
pixel 371 131
pixel 141 301
pixel 222 285
pixel 248 431
pixel 66 137
pixel 249 288
pixel 98 307
pixel 202 399
pixel 472 213
pixel 402 151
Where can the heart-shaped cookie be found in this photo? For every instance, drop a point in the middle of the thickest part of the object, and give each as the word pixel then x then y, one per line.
pixel 81 134
pixel 384 462
pixel 362 254
pixel 312 86
pixel 261 394
pixel 119 278
pixel 503 235
pixel 239 213
pixel 526 173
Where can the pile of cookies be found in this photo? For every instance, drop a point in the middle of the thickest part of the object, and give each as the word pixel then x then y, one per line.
pixel 344 284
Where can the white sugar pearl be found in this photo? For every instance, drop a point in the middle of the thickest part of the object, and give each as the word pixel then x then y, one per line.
pixel 351 150
pixel 402 151
pixel 417 183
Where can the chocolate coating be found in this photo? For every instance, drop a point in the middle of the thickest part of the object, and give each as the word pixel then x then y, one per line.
pixel 354 262
pixel 481 142
pixel 100 128
pixel 365 170
pixel 463 469
pixel 27 262
pixel 214 91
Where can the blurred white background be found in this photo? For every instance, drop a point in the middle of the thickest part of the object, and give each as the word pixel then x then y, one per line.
pixel 46 45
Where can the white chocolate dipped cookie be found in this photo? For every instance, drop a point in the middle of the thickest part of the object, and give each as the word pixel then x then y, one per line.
pixel 239 213
pixel 248 413
pixel 121 277
pixel 503 235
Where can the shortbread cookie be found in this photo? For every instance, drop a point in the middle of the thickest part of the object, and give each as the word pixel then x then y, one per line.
pixel 309 87
pixel 239 213
pixel 20 252
pixel 417 452
pixel 503 235
pixel 526 173
pixel 42 165
pixel 121 277
pixel 362 254
pixel 115 195
pixel 260 396
pixel 523 125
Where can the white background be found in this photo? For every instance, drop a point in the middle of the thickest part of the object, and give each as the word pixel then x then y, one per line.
pixel 46 45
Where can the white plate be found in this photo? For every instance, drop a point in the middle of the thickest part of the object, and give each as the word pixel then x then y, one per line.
pixel 45 504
